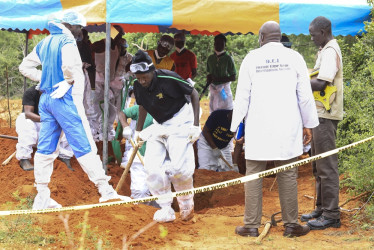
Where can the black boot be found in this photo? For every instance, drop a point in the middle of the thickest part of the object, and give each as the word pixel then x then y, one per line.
pixel 67 163
pixel 323 222
pixel 313 215
pixel 26 165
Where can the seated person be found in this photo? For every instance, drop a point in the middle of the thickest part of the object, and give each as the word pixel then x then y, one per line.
pixel 27 128
pixel 214 142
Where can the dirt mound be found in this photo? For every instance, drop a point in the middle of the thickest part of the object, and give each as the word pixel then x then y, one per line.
pixel 216 214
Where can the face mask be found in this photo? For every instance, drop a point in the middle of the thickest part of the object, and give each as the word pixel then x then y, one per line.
pixel 179 44
pixel 157 56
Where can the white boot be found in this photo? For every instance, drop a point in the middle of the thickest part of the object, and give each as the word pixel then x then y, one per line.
pixel 186 212
pixel 43 199
pixel 108 193
pixel 165 214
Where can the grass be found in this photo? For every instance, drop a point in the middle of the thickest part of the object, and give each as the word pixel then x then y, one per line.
pixel 22 231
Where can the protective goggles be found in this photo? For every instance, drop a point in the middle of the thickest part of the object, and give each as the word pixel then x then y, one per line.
pixel 142 67
pixel 165 44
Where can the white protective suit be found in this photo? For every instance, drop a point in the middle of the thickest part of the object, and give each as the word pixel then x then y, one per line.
pixel 60 60
pixel 267 76
pixel 208 161
pixel 115 88
pixel 169 140
pixel 28 134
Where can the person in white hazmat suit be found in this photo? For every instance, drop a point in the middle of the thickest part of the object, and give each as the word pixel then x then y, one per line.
pixel 28 127
pixel 61 107
pixel 275 98
pixel 115 85
pixel 162 93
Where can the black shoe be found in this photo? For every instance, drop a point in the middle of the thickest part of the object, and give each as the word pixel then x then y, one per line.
pixel 67 163
pixel 242 231
pixel 323 222
pixel 26 165
pixel 295 230
pixel 312 215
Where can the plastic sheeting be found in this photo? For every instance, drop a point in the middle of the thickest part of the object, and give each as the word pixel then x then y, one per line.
pixel 194 16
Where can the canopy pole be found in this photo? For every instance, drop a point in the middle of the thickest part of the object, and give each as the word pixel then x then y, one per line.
pixel 106 94
pixel 26 52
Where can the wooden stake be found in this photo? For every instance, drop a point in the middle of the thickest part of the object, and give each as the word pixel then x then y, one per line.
pixel 9 158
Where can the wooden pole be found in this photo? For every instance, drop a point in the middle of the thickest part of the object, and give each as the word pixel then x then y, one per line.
pixel 137 152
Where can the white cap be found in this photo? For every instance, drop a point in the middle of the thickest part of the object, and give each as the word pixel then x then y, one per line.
pixel 73 18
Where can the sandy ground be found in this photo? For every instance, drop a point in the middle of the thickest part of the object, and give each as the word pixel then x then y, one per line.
pixel 217 212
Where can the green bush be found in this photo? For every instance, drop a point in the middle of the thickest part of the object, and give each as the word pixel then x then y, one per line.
pixel 358 163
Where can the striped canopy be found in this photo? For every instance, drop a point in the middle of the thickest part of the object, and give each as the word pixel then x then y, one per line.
pixel 194 16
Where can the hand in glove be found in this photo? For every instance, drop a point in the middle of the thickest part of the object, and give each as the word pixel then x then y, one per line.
pixel 127 133
pixel 194 133
pixel 217 152
pixel 190 81
pixel 137 136
pixel 62 88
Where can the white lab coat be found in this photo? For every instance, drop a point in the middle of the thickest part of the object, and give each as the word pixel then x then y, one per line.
pixel 274 96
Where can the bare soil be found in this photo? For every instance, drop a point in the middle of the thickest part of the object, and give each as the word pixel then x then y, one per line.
pixel 217 213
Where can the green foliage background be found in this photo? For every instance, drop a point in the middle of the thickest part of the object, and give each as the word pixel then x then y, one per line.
pixel 358 60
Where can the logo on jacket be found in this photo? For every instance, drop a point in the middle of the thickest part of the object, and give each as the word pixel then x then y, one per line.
pixel 160 96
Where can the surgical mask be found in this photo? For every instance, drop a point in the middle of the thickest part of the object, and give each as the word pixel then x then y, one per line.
pixel 179 44
pixel 140 67
pixel 157 56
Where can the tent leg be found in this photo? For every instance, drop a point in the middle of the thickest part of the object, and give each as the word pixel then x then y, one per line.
pixel 106 94
pixel 25 54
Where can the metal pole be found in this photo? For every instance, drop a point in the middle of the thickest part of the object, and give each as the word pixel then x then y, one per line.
pixel 106 94
pixel 26 52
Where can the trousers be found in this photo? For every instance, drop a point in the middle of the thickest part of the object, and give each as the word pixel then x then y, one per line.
pixel 287 188
pixel 326 170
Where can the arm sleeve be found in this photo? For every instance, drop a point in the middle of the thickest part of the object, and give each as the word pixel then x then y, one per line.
pixel 243 94
pixel 28 66
pixel 305 97
pixel 132 112
pixel 231 67
pixel 71 63
pixel 329 65
pixel 193 61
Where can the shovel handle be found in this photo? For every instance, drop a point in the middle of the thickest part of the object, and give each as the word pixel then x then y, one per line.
pixel 9 158
pixel 137 152
pixel 127 168
pixel 225 161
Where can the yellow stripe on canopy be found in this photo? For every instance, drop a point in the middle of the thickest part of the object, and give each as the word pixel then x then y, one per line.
pixel 213 15
pixel 93 10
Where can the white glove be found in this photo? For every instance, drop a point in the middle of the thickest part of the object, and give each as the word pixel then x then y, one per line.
pixel 216 152
pixel 190 81
pixel 127 133
pixel 137 136
pixel 62 88
pixel 194 133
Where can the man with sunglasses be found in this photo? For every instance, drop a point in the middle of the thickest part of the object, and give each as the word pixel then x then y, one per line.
pixel 61 107
pixel 160 57
pixel 162 94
